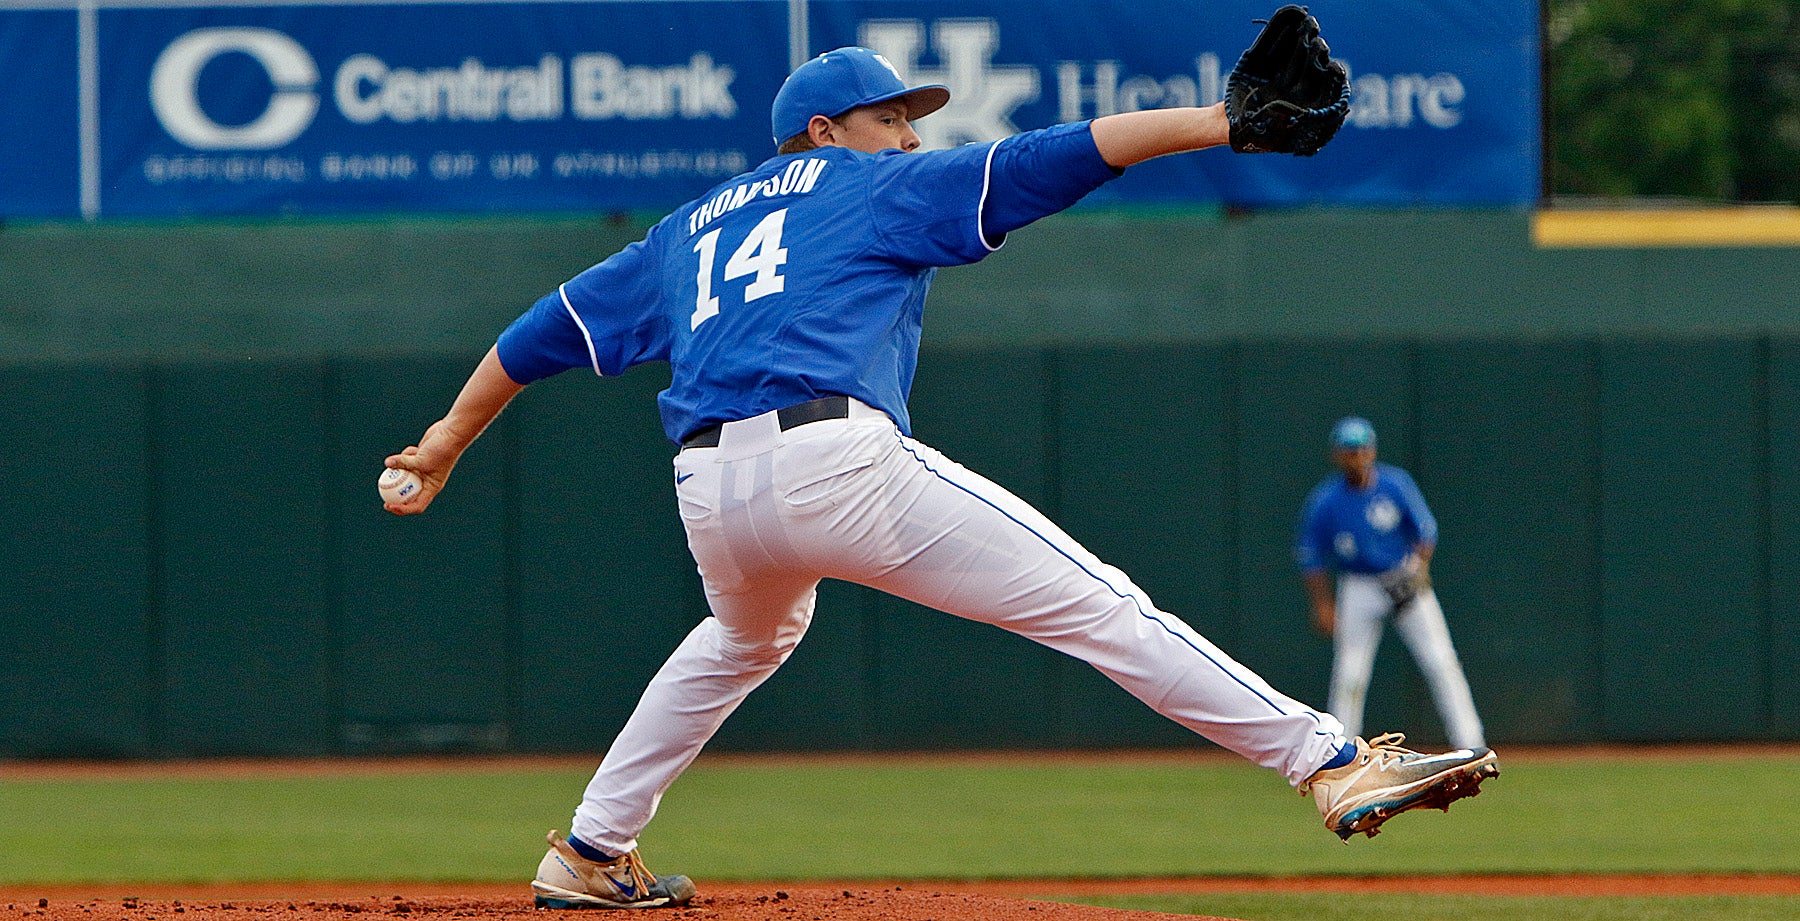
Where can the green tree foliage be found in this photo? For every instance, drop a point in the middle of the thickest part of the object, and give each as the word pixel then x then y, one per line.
pixel 1689 98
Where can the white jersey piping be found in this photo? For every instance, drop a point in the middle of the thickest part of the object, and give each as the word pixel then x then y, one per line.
pixel 593 357
pixel 987 173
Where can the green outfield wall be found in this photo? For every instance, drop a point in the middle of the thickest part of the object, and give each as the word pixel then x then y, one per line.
pixel 194 560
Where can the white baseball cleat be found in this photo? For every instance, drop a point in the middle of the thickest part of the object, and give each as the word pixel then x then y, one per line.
pixel 565 879
pixel 1384 780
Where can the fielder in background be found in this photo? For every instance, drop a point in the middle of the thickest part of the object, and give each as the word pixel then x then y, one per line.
pixel 1370 523
pixel 788 304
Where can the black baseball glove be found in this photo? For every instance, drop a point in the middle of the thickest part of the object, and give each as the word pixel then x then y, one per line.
pixel 1286 94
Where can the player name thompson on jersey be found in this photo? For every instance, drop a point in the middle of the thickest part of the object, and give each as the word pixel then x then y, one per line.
pixel 798 179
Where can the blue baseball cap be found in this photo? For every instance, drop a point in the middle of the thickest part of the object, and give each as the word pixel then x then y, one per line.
pixel 1353 432
pixel 837 81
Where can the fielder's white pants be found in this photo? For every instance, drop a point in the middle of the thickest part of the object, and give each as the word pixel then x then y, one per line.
pixel 1363 611
pixel 771 513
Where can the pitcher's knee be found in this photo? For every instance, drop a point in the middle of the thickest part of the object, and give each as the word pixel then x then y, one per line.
pixel 757 656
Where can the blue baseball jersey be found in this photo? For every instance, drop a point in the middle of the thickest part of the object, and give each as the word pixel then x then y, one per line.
pixel 1363 530
pixel 804 277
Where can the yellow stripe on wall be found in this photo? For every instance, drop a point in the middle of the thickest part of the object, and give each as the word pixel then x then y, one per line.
pixel 1755 226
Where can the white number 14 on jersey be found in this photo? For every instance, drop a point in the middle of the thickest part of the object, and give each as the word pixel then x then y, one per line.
pixel 760 254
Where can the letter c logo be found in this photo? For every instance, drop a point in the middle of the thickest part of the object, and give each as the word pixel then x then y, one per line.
pixel 175 78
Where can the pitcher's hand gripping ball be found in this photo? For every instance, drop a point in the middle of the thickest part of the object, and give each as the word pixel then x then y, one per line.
pixel 1286 94
pixel 397 485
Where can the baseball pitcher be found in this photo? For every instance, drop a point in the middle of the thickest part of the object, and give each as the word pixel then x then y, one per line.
pixel 788 302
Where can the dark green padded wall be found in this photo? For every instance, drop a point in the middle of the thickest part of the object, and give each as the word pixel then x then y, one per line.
pixel 215 576
pixel 78 627
pixel 240 456
pixel 1682 541
pixel 1782 605
pixel 1509 460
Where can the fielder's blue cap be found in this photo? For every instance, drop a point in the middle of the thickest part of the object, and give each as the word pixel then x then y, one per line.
pixel 1352 432
pixel 837 81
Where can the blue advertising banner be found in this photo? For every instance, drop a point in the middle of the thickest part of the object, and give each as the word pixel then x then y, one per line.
pixel 40 129
pixel 214 107
pixel 444 107
pixel 1444 105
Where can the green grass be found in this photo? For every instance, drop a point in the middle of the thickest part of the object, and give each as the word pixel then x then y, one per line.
pixel 1330 907
pixel 745 821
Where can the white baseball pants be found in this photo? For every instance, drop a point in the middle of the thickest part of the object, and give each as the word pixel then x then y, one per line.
pixel 771 513
pixel 1362 615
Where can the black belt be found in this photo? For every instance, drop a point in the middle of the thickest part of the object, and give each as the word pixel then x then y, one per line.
pixel 833 407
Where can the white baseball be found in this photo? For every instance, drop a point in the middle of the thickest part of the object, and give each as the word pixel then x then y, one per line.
pixel 397 485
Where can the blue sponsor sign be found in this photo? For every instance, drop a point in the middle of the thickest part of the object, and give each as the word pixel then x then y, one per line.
pixel 40 129
pixel 432 107
pixel 206 107
pixel 1444 106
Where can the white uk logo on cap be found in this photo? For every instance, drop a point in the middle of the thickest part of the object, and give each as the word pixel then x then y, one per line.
pixel 889 65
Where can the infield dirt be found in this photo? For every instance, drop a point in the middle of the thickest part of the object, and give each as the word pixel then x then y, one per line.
pixel 998 900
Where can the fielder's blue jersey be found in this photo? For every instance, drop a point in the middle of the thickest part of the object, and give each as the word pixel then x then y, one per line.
pixel 801 278
pixel 1363 530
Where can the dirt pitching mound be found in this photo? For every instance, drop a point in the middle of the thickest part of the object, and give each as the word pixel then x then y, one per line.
pixel 994 900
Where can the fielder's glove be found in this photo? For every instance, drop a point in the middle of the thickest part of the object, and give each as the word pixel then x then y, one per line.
pixel 1286 94
pixel 1405 582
